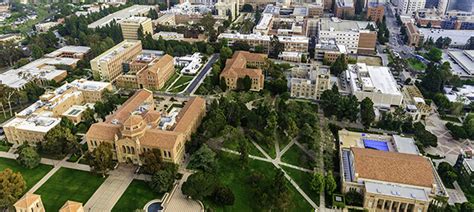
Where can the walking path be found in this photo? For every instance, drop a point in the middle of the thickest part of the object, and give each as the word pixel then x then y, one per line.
pixel 178 201
pixel 107 195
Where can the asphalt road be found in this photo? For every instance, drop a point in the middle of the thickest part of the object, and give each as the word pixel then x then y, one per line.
pixel 202 74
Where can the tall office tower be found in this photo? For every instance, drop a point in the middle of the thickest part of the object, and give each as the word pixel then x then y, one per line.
pixel 408 7
pixel 442 6
pixel 228 7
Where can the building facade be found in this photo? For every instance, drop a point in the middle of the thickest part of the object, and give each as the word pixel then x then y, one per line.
pixel 241 65
pixel 70 101
pixel 352 34
pixel 375 11
pixel 409 7
pixel 415 36
pixel 29 203
pixel 147 72
pixel 130 27
pixel 309 82
pixel 108 65
pixel 137 127
pixel 293 43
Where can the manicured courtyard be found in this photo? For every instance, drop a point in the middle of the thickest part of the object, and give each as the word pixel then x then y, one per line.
pixel 303 179
pixel 31 176
pixel 230 174
pixel 416 64
pixel 181 83
pixel 135 197
pixel 295 155
pixel 68 184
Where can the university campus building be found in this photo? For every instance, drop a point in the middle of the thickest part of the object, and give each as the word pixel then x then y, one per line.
pixel 70 101
pixel 309 81
pixel 148 70
pixel 137 127
pixel 244 64
pixel 389 172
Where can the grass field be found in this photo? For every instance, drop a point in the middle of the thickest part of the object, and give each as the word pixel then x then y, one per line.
pixel 232 175
pixel 181 83
pixel 416 64
pixel 68 184
pixel 31 176
pixel 303 180
pixel 170 80
pixel 293 157
pixel 136 196
pixel 252 150
pixel 371 61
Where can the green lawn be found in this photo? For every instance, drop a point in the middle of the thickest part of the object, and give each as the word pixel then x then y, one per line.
pixel 31 176
pixel 283 140
pixel 303 180
pixel 4 146
pixel 416 64
pixel 235 146
pixel 232 175
pixel 269 149
pixel 170 80
pixel 136 196
pixel 181 83
pixel 68 184
pixel 293 157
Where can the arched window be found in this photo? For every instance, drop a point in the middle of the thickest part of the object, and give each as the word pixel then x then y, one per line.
pixel 124 150
pixel 128 149
pixel 133 150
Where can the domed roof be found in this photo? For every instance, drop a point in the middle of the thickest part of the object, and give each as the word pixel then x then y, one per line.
pixel 133 120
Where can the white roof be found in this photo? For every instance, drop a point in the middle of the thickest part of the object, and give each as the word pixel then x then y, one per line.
pixel 69 49
pixel 405 145
pixel 257 36
pixel 463 58
pixel 34 123
pixel 119 15
pixel 378 76
pixel 116 50
pixel 396 191
pixel 458 37
pixel 43 68
pixel 264 21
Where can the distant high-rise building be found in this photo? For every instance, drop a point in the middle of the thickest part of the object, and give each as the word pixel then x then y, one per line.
pixel 408 7
pixel 443 6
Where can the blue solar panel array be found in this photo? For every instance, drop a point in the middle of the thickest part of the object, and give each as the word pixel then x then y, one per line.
pixel 374 144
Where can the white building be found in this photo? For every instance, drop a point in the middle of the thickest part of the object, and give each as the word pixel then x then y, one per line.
pixel 226 8
pixel 309 82
pixel 344 32
pixel 135 10
pixel 190 63
pixel 44 27
pixel 375 82
pixel 465 59
pixel 464 94
pixel 408 7
pixel 293 43
pixel 168 36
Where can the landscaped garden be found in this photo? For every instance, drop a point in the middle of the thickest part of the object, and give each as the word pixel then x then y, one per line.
pixel 231 174
pixel 181 83
pixel 4 146
pixel 68 184
pixel 416 64
pixel 31 176
pixel 296 156
pixel 135 197
pixel 303 179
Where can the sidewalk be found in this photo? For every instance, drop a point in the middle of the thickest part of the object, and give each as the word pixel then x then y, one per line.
pixel 107 195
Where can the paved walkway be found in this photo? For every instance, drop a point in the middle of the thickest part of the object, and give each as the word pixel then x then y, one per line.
pixel 111 190
pixel 178 201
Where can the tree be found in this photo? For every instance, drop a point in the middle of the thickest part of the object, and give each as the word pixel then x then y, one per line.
pixel 447 173
pixel 225 53
pixel 12 186
pixel 223 84
pixel 279 191
pixel 359 6
pixel 203 159
pixel 330 184
pixel 367 113
pixel 223 195
pixel 317 182
pixel 101 159
pixel 434 54
pixel 36 51
pixel 199 185
pixel 339 66
pixel 247 8
pixel 243 150
pixel 304 59
pixel 59 141
pixel 162 181
pixel 276 47
pixel 247 83
pixel 27 156
pixel 152 161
